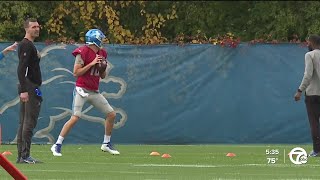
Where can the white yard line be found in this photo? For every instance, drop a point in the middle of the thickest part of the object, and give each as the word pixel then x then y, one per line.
pixel 193 165
pixel 77 171
pixel 221 165
pixel 263 174
pixel 96 163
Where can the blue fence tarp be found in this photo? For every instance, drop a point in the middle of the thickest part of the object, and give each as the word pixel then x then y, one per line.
pixel 169 94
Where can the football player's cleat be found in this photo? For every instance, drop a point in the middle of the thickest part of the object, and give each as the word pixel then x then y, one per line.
pixel 107 147
pixel 56 149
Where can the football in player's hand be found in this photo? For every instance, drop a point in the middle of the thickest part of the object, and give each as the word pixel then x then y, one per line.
pixel 102 66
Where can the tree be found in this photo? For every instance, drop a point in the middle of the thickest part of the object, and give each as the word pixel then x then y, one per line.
pixel 13 14
pixel 156 22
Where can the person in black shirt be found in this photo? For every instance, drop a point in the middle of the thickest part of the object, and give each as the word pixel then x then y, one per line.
pixel 29 76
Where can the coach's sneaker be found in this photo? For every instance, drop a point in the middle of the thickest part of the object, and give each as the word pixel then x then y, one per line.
pixel 30 160
pixel 313 154
pixel 107 147
pixel 19 160
pixel 56 149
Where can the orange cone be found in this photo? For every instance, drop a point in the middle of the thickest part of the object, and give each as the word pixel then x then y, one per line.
pixel 166 156
pixel 154 153
pixel 6 153
pixel 231 155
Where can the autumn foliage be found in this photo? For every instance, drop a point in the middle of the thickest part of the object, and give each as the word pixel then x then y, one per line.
pixel 225 23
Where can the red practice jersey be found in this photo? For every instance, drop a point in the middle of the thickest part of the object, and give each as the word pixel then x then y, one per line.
pixel 90 79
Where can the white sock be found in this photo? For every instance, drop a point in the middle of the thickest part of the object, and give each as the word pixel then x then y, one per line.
pixel 106 139
pixel 60 140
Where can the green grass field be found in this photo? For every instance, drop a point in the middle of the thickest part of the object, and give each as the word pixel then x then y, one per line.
pixel 192 162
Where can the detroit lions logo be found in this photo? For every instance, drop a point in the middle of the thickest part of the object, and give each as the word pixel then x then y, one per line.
pixel 64 76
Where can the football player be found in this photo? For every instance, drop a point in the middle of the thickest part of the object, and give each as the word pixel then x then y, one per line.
pixel 88 69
